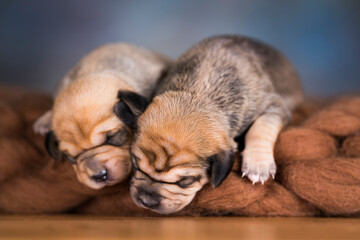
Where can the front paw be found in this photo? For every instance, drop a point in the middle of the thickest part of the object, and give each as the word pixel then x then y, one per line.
pixel 258 165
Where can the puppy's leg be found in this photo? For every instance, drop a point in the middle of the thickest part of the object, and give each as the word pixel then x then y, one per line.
pixel 43 124
pixel 258 156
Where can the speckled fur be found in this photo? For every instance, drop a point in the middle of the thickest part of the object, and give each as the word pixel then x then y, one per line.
pixel 215 91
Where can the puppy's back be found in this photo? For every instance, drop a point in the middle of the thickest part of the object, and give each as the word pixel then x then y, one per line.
pixel 139 67
pixel 237 74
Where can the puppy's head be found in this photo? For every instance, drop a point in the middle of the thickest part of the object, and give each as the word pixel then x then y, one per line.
pixel 176 152
pixel 92 127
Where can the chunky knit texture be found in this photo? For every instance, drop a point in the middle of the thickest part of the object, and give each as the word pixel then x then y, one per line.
pixel 317 155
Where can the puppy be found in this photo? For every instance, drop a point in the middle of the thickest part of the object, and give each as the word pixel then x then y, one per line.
pixel 217 90
pixel 88 125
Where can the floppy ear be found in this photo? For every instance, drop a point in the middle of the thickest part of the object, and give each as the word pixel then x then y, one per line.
pixel 130 106
pixel 52 145
pixel 220 166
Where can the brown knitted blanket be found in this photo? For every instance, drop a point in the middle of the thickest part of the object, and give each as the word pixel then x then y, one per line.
pixel 318 159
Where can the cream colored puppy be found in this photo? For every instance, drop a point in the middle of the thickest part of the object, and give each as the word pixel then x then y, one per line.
pixel 96 106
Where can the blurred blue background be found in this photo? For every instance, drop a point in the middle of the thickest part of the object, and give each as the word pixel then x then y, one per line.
pixel 40 40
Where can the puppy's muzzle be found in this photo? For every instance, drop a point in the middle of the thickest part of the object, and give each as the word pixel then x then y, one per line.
pixel 103 166
pixel 149 199
pixel 102 176
pixel 99 173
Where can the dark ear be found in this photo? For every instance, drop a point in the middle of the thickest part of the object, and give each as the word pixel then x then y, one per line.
pixel 220 166
pixel 130 106
pixel 52 145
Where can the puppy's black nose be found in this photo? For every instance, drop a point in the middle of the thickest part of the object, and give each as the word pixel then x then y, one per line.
pixel 149 199
pixel 102 176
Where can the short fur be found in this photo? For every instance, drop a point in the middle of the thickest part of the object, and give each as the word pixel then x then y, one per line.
pixel 216 90
pixel 87 122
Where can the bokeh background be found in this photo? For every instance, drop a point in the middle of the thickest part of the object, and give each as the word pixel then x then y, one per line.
pixel 40 39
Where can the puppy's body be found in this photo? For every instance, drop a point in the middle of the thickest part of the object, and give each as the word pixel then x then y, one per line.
pixel 83 119
pixel 235 77
pixel 215 91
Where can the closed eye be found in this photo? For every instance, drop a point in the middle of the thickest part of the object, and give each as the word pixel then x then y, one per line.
pixel 134 160
pixel 185 182
pixel 70 158
pixel 117 139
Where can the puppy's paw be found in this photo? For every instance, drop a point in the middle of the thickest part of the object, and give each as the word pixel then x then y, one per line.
pixel 43 125
pixel 258 165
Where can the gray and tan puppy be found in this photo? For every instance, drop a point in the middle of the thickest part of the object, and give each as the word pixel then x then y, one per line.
pixel 216 90
pixel 95 108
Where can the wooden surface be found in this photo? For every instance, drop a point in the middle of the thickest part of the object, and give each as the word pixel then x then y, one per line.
pixel 90 227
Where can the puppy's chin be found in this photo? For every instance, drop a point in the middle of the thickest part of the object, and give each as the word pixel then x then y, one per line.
pixel 172 206
pixel 104 168
pixel 165 205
